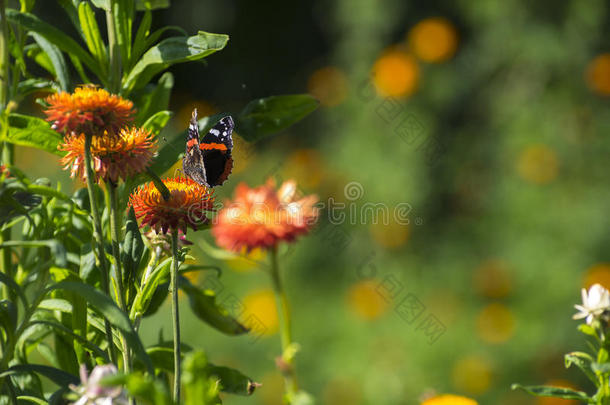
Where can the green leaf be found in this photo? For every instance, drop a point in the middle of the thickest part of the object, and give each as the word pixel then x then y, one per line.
pixel 70 334
pixel 587 330
pixel 58 376
pixel 123 12
pixel 157 122
pixel 156 100
pixel 60 69
pixel 103 4
pixel 205 307
pixel 91 33
pixel 133 245
pixel 171 51
pixel 14 287
pixel 232 381
pixel 29 86
pixel 58 251
pixel 557 392
pixel 583 361
pixel 267 116
pixel 54 35
pixel 105 306
pixel 145 295
pixel 151 4
pixel 32 399
pixel 34 132
pixel 139 41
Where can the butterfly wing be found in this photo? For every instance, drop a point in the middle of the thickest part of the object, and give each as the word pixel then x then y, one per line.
pixel 192 163
pixel 216 147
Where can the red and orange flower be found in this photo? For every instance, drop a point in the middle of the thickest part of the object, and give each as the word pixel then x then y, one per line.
pixel 263 216
pixel 88 110
pixel 188 205
pixel 116 157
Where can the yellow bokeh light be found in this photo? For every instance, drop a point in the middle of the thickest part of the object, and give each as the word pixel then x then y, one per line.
pixel 492 279
pixel 243 153
pixel 395 73
pixel 390 236
pixel 495 324
pixel 557 401
pixel 538 164
pixel 248 261
pixel 203 110
pixel 433 40
pixel 597 74
pixel 365 301
pixel 328 85
pixel 306 166
pixel 261 303
pixel 449 399
pixel 598 274
pixel 472 374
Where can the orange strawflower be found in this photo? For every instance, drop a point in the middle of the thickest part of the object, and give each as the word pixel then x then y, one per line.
pixel 122 156
pixel 263 216
pixel 88 110
pixel 188 205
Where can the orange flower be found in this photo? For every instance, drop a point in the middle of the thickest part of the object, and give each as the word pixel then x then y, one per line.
pixel 88 110
pixel 122 156
pixel 263 216
pixel 188 205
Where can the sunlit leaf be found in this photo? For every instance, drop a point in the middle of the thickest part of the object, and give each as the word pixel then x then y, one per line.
pixel 267 116
pixel 34 132
pixel 171 51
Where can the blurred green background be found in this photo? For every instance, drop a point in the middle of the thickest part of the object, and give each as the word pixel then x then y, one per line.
pixel 489 119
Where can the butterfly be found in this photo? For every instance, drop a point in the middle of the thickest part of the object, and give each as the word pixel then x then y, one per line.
pixel 208 161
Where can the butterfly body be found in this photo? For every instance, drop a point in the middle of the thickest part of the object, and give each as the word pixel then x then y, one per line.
pixel 208 160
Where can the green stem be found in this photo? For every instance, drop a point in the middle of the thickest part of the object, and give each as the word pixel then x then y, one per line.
pixel 99 239
pixel 285 326
pixel 116 252
pixel 8 149
pixel 4 56
pixel 115 52
pixel 175 314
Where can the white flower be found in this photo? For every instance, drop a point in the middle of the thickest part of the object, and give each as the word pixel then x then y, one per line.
pixel 92 393
pixel 594 303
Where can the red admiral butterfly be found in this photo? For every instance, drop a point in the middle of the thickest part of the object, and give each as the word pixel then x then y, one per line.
pixel 209 161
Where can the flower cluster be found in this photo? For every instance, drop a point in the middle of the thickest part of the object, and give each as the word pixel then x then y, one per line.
pixel 187 206
pixel 89 110
pixel 121 156
pixel 263 216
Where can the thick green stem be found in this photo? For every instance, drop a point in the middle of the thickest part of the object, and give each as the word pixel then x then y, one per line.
pixel 283 309
pixel 99 239
pixel 116 252
pixel 115 52
pixel 175 314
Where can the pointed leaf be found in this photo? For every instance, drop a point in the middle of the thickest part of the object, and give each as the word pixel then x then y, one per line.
pixel 267 116
pixel 60 69
pixel 557 392
pixel 157 122
pixel 232 381
pixel 171 51
pixel 133 246
pixel 34 132
pixel 204 305
pixel 91 33
pixel 105 306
